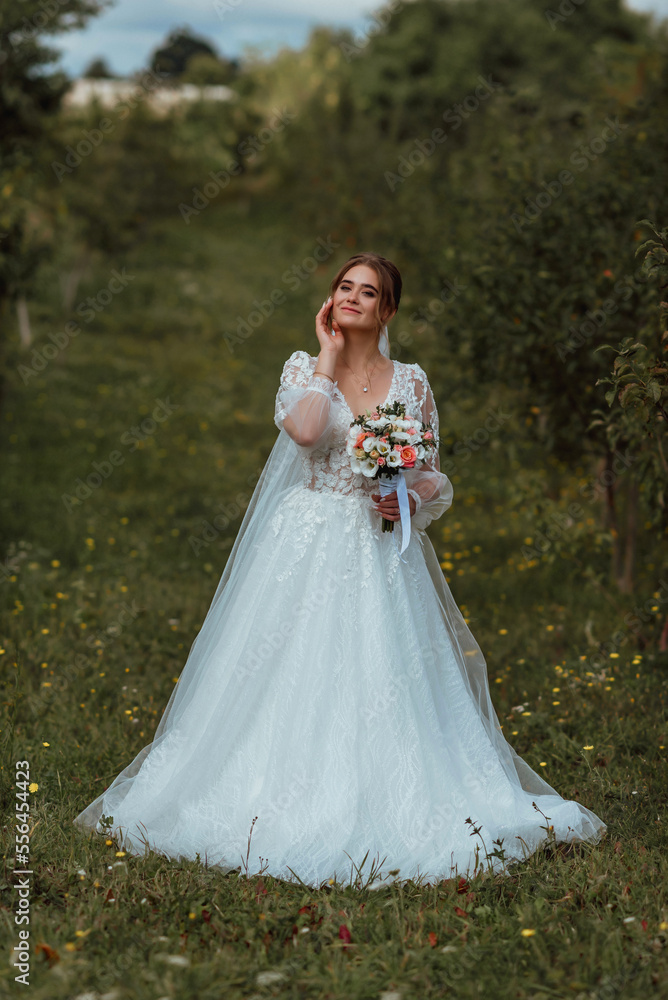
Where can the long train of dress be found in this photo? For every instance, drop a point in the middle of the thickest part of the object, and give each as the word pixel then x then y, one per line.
pixel 336 693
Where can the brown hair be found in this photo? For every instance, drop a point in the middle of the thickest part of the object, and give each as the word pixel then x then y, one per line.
pixel 389 277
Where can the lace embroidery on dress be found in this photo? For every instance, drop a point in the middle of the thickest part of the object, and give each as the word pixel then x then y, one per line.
pixel 327 467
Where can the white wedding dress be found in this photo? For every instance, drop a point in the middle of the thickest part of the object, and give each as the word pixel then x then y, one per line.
pixel 334 690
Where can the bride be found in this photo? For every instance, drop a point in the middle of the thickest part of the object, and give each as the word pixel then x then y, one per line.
pixel 334 702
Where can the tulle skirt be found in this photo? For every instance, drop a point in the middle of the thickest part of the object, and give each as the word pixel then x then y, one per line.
pixel 339 710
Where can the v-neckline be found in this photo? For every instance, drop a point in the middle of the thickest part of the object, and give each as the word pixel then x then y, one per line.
pixel 385 401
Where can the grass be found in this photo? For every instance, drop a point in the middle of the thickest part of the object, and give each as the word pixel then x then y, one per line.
pixel 84 684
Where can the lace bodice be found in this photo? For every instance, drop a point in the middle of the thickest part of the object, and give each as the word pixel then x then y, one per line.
pixel 320 419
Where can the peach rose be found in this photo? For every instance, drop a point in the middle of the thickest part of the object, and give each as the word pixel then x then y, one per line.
pixel 408 456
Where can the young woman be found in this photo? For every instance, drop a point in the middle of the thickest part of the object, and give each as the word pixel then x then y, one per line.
pixel 334 703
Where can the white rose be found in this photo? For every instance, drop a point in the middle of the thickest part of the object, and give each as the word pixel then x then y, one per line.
pixel 401 436
pixel 369 443
pixel 383 447
pixel 393 460
pixel 369 466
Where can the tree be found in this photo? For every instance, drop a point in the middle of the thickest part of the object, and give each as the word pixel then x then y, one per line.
pixel 205 71
pixel 637 419
pixel 98 69
pixel 181 45
pixel 30 96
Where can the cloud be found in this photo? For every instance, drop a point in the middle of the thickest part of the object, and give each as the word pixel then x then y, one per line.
pixel 127 33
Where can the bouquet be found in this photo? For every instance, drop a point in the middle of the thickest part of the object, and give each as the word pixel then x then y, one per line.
pixel 382 443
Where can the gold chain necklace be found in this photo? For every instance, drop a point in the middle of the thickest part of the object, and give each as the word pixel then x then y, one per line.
pixel 365 388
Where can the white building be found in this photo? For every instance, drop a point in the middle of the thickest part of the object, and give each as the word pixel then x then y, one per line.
pixel 147 88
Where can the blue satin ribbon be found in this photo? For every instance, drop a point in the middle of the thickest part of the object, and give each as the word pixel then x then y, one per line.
pixel 389 485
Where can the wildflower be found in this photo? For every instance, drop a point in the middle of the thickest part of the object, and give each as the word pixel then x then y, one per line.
pixel 527 932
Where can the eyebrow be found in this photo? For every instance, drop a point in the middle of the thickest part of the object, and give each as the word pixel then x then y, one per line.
pixel 349 282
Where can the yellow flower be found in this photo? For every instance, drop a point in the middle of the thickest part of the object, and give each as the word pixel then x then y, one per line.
pixel 55 563
pixel 549 628
pixel 33 786
pixel 589 747
pixel 46 744
pixel 108 842
pixel 70 946
pixel 614 656
pixel 503 631
pixel 527 932
pixel 191 915
pixel 543 763
pixel 120 854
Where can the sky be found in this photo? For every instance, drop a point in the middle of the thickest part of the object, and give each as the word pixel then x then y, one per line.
pixel 128 31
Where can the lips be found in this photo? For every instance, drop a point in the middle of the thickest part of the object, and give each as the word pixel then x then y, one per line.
pixel 349 310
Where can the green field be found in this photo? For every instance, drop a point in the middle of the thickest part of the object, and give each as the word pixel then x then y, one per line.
pixel 572 922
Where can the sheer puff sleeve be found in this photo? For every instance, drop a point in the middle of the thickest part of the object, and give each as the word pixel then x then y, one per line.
pixel 431 489
pixel 304 402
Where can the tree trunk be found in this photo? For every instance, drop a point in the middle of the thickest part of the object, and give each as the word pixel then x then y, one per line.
pixel 25 332
pixel 625 582
pixel 72 280
pixel 611 517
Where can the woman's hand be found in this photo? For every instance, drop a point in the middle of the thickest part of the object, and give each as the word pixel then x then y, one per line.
pixel 329 343
pixel 388 505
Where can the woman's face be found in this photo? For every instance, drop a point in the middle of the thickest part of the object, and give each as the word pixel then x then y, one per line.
pixel 356 298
